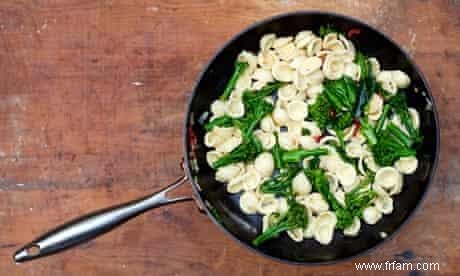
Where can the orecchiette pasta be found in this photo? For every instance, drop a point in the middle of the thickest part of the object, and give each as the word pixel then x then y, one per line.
pixel 407 165
pixel 249 202
pixel 264 164
pixel 371 215
pixel 276 135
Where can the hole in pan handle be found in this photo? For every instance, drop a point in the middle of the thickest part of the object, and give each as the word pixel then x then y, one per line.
pixel 97 223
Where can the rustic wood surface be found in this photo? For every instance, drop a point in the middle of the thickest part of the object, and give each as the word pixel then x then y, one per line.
pixel 92 97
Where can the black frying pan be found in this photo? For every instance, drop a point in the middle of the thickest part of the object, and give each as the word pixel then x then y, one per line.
pixel 223 208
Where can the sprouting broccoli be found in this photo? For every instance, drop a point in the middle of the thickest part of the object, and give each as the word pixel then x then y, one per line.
pixel 319 112
pixel 255 96
pixel 281 184
pixel 368 131
pixel 382 119
pixel 240 67
pixel 223 121
pixel 295 217
pixel 399 104
pixel 343 120
pixel 342 93
pixel 392 144
pixel 360 197
pixel 321 184
pixel 295 156
pixel 277 153
pixel 248 150
pixel 363 64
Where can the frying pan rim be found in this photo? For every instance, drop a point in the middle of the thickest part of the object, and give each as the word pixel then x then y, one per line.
pixel 308 13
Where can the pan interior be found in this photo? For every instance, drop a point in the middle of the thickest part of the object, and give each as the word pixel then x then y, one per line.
pixel 224 207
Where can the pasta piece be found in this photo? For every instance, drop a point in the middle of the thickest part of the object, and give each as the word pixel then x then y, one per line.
pixel 340 196
pixel 316 203
pixel 243 83
pixel 400 78
pixel 315 90
pixel 323 234
pixel 354 149
pixel 250 58
pixel 281 41
pixel 267 139
pixel 267 204
pixel 384 204
pixel 350 52
pixel 267 221
pixel 212 156
pixel 282 71
pixel 415 117
pixel 262 75
pixel 297 110
pixel 249 203
pixel 385 78
pixel 235 185
pixel 375 66
pixel 252 178
pixel 346 174
pixel 407 165
pixel 218 135
pixel 287 92
pixel 283 206
pixel 296 234
pixel 288 52
pixel 310 229
pixel 300 184
pixel 375 107
pixel 315 78
pixel 280 116
pixel 267 124
pixel 227 173
pixel 287 141
pixel 295 128
pixel 235 108
pixel 353 229
pixel 306 65
pixel 314 46
pixel 303 38
pixel 327 218
pixel 353 71
pixel 333 67
pixel 389 179
pixel 264 164
pixel 300 81
pixel 266 59
pixel 333 182
pixel 218 108
pixel 308 142
pixel 230 142
pixel 371 215
pixel 266 42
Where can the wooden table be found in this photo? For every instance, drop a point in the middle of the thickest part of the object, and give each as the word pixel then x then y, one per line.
pixel 92 97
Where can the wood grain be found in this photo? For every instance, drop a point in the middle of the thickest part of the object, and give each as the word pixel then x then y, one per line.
pixel 92 97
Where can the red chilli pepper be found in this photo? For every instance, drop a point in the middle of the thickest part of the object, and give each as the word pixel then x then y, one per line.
pixel 317 138
pixel 357 127
pixel 354 31
pixel 332 113
pixel 192 137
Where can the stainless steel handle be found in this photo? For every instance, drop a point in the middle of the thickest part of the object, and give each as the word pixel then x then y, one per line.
pixel 92 225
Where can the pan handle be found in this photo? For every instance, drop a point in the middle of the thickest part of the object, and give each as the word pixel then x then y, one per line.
pixel 94 224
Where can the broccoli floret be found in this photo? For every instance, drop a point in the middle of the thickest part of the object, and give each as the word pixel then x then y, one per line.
pixel 342 93
pixel 399 104
pixel 392 144
pixel 320 111
pixel 343 120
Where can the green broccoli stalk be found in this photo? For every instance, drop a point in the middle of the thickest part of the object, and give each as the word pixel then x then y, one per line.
pixel 382 119
pixel 343 120
pixel 321 184
pixel 392 144
pixel 224 121
pixel 360 197
pixel 295 217
pixel 341 93
pixel 248 150
pixel 368 131
pixel 399 104
pixel 277 153
pixel 295 156
pixel 363 64
pixel 281 184
pixel 240 67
